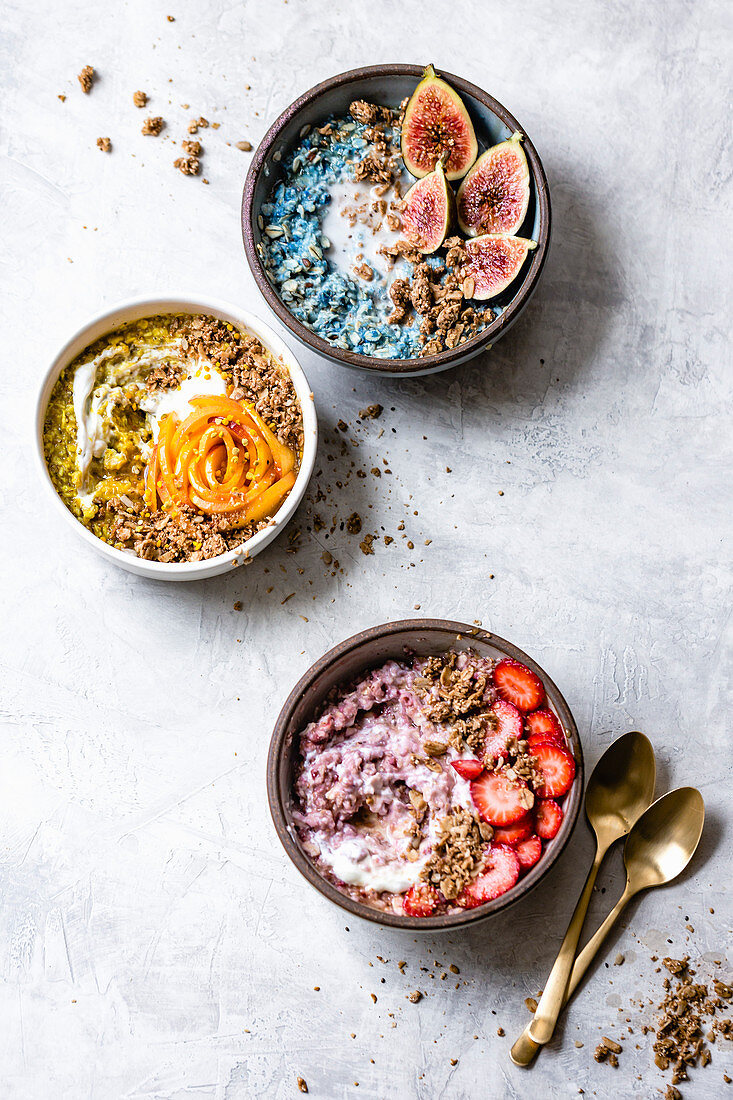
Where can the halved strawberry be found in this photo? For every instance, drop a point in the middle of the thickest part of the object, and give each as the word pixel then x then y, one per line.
pixel 528 852
pixel 468 769
pixel 517 684
pixel 499 874
pixel 547 818
pixel 544 739
pixel 558 770
pixel 544 721
pixel 500 801
pixel 508 725
pixel 513 834
pixel 421 900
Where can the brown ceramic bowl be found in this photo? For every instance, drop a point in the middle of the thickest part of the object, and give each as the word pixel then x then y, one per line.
pixel 353 657
pixel 390 84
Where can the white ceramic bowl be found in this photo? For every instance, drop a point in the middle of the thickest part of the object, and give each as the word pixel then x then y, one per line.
pixel 134 310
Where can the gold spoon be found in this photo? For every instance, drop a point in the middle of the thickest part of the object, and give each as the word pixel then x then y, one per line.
pixel 658 848
pixel 620 788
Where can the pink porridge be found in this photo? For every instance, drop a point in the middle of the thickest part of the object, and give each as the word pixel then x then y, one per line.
pixel 433 783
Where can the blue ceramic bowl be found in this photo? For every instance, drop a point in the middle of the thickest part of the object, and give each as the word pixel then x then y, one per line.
pixel 389 85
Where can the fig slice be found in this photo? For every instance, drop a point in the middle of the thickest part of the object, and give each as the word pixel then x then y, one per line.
pixel 427 211
pixel 494 196
pixel 492 263
pixel 437 124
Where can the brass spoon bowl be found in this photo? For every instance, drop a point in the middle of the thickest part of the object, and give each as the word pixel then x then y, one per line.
pixel 658 848
pixel 620 788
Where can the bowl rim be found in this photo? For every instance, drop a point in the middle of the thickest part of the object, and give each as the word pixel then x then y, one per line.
pixel 428 363
pixel 131 309
pixel 278 797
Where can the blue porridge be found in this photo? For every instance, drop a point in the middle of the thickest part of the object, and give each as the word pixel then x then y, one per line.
pixel 334 245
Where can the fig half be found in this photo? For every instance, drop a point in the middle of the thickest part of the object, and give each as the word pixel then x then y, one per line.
pixel 492 263
pixel 437 124
pixel 494 196
pixel 427 211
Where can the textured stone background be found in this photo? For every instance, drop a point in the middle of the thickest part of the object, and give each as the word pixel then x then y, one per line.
pixel 154 941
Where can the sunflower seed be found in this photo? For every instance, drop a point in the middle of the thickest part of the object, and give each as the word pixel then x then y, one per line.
pixel 274 231
pixel 297 164
pixel 304 130
pixel 325 243
pixel 315 251
pixel 260 221
pixel 277 156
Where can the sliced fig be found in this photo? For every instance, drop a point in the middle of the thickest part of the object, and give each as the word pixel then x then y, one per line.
pixel 437 124
pixel 494 196
pixel 493 262
pixel 427 211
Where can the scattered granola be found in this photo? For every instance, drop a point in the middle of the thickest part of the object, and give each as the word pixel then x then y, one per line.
pixel 86 79
pixel 608 1051
pixel 153 126
pixel 245 146
pixel 192 148
pixel 302 1084
pixel 189 166
pixel 104 144
pixel 139 99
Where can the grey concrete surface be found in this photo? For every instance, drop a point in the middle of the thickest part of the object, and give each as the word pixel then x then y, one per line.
pixel 155 944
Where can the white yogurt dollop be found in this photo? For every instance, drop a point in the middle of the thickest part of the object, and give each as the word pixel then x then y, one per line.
pixel 201 381
pixel 353 863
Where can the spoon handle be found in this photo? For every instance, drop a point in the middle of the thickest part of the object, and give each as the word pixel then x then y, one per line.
pixel 525 1048
pixel 551 1002
pixel 589 952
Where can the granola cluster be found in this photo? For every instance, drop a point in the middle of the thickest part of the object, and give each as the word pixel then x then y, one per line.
pixel 459 698
pixel 681 1035
pixel 458 852
pixel 438 293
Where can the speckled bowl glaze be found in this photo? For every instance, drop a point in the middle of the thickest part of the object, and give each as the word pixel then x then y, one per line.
pixel 389 84
pixel 135 310
pixel 354 657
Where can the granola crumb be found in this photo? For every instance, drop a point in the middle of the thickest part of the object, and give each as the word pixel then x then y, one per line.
pixel 171 18
pixel 619 960
pixel 62 98
pixel 192 148
pixel 245 146
pixel 153 126
pixel 139 99
pixel 189 166
pixel 300 1080
pixel 238 605
pixel 366 544
pixel 531 1004
pixel 86 79
pixel 371 412
pixel 104 144
pixel 353 523
pixel 415 996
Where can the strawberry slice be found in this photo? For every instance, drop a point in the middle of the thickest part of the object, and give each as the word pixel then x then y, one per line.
pixel 508 725
pixel 528 852
pixel 547 818
pixel 558 770
pixel 421 900
pixel 517 684
pixel 544 739
pixel 468 769
pixel 500 872
pixel 544 722
pixel 515 833
pixel 499 800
